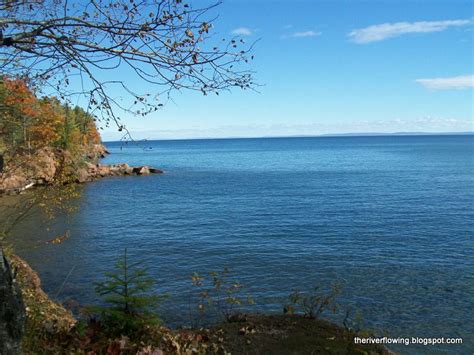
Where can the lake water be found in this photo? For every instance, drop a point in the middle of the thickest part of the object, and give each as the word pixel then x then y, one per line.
pixel 391 218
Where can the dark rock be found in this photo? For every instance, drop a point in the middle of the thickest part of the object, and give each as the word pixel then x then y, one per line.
pixel 141 170
pixel 155 171
pixel 12 310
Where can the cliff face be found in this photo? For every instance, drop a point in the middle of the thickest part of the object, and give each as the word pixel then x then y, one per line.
pixel 12 310
pixel 44 166
pixel 49 165
pixel 45 318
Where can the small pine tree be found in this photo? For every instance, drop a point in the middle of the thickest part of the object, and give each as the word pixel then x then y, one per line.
pixel 129 306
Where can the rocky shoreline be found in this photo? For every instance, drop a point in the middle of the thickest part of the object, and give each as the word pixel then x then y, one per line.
pixel 93 172
pixel 43 167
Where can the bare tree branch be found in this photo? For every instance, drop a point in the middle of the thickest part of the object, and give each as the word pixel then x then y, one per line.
pixel 165 43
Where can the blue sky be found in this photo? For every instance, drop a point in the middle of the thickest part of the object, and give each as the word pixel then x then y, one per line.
pixel 335 67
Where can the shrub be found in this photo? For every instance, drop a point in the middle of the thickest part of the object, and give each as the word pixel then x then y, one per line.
pixel 314 303
pixel 222 294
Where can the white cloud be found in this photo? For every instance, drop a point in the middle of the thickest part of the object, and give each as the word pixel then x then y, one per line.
pixel 305 34
pixel 302 34
pixel 455 82
pixel 383 31
pixel 242 31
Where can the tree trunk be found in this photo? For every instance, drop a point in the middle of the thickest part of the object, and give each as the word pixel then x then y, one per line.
pixel 12 310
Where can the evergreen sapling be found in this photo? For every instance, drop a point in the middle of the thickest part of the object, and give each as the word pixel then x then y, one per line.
pixel 129 304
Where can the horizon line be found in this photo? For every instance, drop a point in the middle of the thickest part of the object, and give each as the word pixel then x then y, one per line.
pixel 325 135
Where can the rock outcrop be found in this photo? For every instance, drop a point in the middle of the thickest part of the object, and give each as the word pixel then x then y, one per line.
pixel 46 319
pixel 42 168
pixel 12 310
pixel 97 151
pixel 92 172
pixel 141 170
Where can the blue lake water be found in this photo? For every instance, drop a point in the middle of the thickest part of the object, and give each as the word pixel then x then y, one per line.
pixel 391 218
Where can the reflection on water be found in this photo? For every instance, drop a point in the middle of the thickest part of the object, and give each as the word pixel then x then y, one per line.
pixel 389 217
pixel 37 210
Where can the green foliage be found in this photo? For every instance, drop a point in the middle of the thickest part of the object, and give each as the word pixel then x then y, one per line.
pixel 313 304
pixel 77 129
pixel 220 293
pixel 129 305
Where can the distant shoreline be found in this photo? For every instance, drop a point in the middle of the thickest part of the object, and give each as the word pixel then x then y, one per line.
pixel 328 135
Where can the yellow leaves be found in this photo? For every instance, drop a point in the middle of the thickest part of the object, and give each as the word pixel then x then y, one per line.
pixel 59 239
pixel 196 279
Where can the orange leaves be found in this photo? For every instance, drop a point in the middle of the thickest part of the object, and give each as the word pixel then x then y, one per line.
pixel 37 120
pixel 30 122
pixel 45 127
pixel 19 96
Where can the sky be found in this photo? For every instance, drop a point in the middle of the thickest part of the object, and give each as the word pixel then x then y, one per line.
pixel 334 67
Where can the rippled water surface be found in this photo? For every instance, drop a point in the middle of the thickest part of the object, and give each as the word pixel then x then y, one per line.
pixel 392 218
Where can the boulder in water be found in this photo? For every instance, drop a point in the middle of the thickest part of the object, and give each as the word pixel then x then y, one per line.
pixel 141 170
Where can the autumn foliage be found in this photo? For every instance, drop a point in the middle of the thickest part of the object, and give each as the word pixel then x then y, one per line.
pixel 28 123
